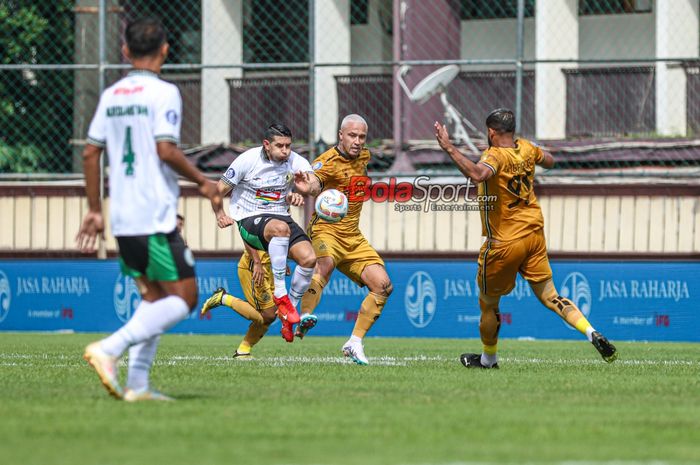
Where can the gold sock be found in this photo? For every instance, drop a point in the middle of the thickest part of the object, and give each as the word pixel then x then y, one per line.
pixel 491 350
pixel 565 308
pixel 244 347
pixel 370 310
pixel 255 332
pixel 242 307
pixel 312 296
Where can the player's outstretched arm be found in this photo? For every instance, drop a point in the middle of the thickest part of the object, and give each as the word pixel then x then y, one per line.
pixel 222 219
pixel 306 183
pixel 478 172
pixel 93 223
pixel 547 161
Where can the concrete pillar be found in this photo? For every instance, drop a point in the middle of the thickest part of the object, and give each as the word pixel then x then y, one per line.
pixel 556 38
pixel 331 45
pixel 222 44
pixel 677 27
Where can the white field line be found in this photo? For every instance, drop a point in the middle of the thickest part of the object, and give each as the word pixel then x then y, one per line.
pixel 63 360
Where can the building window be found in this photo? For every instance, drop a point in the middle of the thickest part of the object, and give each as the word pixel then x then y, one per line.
pixel 359 11
pixel 275 32
pixel 613 7
pixel 488 9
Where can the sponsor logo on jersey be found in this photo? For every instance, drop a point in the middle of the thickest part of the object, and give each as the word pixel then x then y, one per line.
pixel 171 116
pixel 267 196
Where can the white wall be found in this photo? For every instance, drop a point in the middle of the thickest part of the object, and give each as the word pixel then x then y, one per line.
pixel 616 36
pixel 370 42
pixel 495 38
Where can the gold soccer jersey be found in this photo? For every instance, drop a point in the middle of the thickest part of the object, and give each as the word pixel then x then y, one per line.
pixel 336 171
pixel 514 211
pixel 343 241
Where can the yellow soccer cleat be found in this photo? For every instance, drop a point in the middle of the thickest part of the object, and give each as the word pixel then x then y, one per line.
pixel 213 301
pixel 146 394
pixel 106 367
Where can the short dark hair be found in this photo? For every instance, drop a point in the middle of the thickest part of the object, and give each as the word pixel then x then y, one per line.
pixel 144 36
pixel 180 217
pixel 501 120
pixel 277 129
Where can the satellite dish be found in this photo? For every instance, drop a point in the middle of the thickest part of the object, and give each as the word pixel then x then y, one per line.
pixel 437 82
pixel 433 83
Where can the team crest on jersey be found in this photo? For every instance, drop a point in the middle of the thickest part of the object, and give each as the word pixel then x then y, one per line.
pixel 317 166
pixel 257 220
pixel 171 116
pixel 230 173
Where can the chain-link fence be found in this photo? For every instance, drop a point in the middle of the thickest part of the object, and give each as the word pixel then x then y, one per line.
pixel 610 86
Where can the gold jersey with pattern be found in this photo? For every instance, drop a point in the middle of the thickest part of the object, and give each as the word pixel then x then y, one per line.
pixel 514 211
pixel 338 171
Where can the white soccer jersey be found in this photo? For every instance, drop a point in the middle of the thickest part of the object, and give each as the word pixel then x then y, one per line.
pixel 134 114
pixel 261 185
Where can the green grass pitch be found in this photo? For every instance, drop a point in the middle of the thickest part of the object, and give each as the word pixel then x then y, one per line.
pixel 551 402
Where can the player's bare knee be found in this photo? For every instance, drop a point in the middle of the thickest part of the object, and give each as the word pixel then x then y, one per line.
pixel 269 315
pixel 277 228
pixel 307 260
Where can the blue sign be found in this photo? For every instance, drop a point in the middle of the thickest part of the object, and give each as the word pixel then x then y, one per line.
pixel 651 301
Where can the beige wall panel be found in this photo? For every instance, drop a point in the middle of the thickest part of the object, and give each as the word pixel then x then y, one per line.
pixel 193 232
pixel 72 221
pixel 379 237
pixel 670 220
pixel 7 231
pixel 611 235
pixel 597 224
pixel 627 231
pixel 583 225
pixel 569 229
pixel 544 206
pixel 57 216
pixel 556 223
pixel 443 230
pixel 474 233
pixel 685 223
pixel 696 228
pixel 642 218
pixel 40 220
pixel 411 231
pixel 656 224
pixel 395 228
pixel 426 238
pixel 22 222
pixel 459 232
pixel 207 224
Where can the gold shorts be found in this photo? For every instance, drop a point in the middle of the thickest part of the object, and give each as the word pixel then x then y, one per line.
pixel 259 297
pixel 499 263
pixel 351 255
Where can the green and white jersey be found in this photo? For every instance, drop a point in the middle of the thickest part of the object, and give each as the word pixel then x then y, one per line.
pixel 133 114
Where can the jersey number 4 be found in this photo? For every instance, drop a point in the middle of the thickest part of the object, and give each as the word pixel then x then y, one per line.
pixel 129 155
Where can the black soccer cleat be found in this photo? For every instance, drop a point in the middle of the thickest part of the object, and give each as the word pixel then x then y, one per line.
pixel 604 347
pixel 474 361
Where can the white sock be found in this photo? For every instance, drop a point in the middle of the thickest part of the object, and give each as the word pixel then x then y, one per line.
pixel 300 283
pixel 355 340
pixel 489 360
pixel 131 333
pixel 140 361
pixel 278 250
pixel 589 333
pixel 152 319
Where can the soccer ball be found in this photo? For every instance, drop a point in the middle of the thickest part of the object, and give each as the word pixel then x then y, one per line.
pixel 331 205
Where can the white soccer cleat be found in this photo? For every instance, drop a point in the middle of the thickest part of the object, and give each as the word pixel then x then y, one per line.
pixel 106 367
pixel 145 394
pixel 356 352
